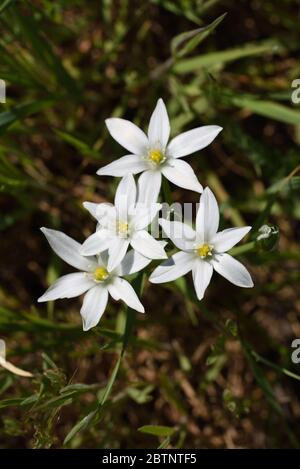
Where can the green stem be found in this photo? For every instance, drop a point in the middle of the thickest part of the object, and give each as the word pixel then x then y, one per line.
pixel 167 194
pixel 285 371
pixel 129 325
pixel 251 246
pixel 93 416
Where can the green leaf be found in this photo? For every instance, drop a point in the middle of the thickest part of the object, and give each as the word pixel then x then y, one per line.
pixel 285 185
pixel 21 69
pixel 110 382
pixel 223 57
pixel 187 41
pixel 281 369
pixel 141 396
pixel 269 109
pixel 164 443
pixel 81 425
pixel 55 402
pixel 78 388
pixel 87 420
pixel 5 4
pixel 157 430
pixel 29 30
pixel 130 317
pixel 261 379
pixel 182 9
pixel 77 143
pixel 22 111
pixel 11 402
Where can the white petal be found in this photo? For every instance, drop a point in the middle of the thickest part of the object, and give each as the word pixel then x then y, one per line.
pixel 14 369
pixel 128 135
pixel 97 242
pixel 146 245
pixel 207 220
pixel 202 273
pixel 143 215
pixel 125 197
pixel 94 304
pixel 232 270
pixel 117 252
pixel 91 207
pixel 100 211
pixel 148 187
pixel 182 235
pixel 226 239
pixel 120 289
pixel 103 259
pixel 68 249
pixel 181 174
pixel 193 140
pixel 133 262
pixel 159 126
pixel 176 266
pixel 132 164
pixel 68 286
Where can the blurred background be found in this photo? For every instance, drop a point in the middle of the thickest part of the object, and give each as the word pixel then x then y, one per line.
pixel 214 374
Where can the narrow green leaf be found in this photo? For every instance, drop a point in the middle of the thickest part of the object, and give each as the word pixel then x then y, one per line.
pixel 77 143
pixel 285 185
pixel 81 425
pixel 261 379
pixel 268 109
pixel 30 32
pixel 55 402
pixel 86 421
pixel 187 41
pixel 5 4
pixel 22 111
pixel 157 430
pixel 141 396
pixel 111 382
pixel 285 371
pixel 223 57
pixel 11 402
pixel 164 443
pixel 78 388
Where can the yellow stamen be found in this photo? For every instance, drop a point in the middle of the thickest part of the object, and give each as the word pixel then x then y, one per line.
pixel 100 274
pixel 122 228
pixel 204 251
pixel 156 156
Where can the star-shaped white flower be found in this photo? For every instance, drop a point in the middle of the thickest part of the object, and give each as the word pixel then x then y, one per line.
pixel 95 279
pixel 123 224
pixel 152 154
pixel 203 250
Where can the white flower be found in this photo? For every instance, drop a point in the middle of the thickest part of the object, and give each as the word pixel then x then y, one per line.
pixel 203 250
pixel 152 154
pixel 94 278
pixel 123 224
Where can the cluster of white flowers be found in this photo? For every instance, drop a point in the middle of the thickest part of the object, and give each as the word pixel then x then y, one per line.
pixel 121 244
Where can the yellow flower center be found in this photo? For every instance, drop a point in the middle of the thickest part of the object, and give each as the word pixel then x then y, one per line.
pixel 100 274
pixel 156 156
pixel 122 228
pixel 204 251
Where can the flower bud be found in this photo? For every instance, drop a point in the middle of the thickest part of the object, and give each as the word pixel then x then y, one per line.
pixel 268 237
